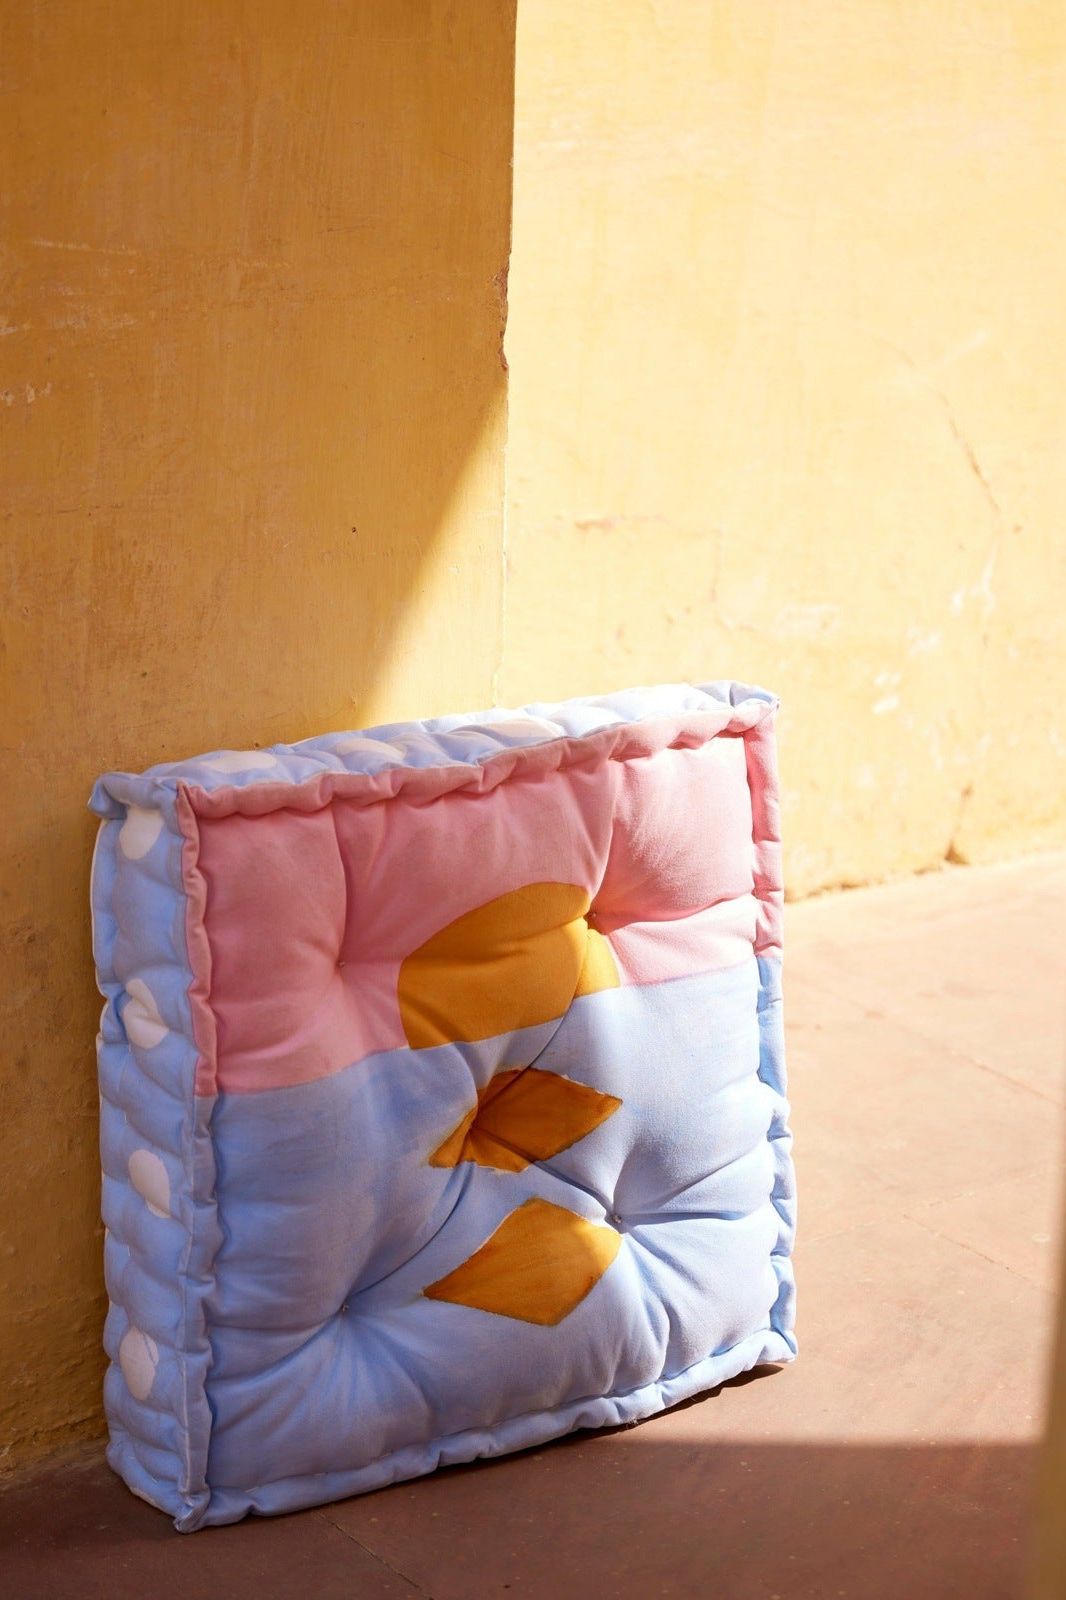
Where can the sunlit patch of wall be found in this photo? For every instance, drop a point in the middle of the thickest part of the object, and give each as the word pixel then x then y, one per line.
pixel 786 402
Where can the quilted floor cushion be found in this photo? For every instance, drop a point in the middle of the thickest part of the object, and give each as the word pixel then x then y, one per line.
pixel 442 1092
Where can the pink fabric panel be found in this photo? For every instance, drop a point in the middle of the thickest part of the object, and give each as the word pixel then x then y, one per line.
pixel 766 828
pixel 680 844
pixel 412 869
pixel 308 913
pixel 705 941
pixel 275 916
pixel 680 835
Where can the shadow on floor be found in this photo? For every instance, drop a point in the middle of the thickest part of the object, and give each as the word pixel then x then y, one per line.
pixel 622 1514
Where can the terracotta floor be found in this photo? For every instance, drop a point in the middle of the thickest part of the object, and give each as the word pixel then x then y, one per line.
pixel 893 1460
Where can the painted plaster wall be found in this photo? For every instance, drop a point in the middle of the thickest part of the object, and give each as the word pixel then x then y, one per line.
pixel 252 407
pixel 786 345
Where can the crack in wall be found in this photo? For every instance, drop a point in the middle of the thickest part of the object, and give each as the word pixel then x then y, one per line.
pixel 967 448
pixel 953 853
pixel 982 590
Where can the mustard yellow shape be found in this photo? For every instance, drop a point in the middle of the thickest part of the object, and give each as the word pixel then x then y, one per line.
pixel 514 962
pixel 539 1264
pixel 598 970
pixel 524 1115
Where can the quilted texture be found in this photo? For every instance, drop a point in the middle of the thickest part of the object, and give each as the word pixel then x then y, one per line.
pixel 442 1091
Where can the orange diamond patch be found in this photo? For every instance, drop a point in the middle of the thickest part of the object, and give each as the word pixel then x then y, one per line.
pixel 524 1115
pixel 539 1264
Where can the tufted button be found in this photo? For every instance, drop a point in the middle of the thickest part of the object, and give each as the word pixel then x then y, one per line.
pixel 615 1218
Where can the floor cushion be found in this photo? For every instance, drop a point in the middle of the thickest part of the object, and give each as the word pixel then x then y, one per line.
pixel 442 1091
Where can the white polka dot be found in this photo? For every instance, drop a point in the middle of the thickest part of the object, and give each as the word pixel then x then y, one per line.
pixel 151 1180
pixel 357 745
pixel 138 1356
pixel 140 1017
pixel 241 761
pixel 139 832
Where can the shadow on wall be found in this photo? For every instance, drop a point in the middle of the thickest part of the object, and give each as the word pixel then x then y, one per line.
pixel 254 397
pixel 631 1518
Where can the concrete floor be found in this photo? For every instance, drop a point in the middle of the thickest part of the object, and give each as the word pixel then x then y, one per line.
pixel 926 1026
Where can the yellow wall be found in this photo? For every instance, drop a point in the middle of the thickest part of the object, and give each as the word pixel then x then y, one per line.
pixel 252 419
pixel 787 348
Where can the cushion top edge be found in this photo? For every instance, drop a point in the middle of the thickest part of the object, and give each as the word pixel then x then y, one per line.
pixel 464 740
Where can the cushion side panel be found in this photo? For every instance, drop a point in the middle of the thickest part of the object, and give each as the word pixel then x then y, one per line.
pixel 161 1231
pixel 761 752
